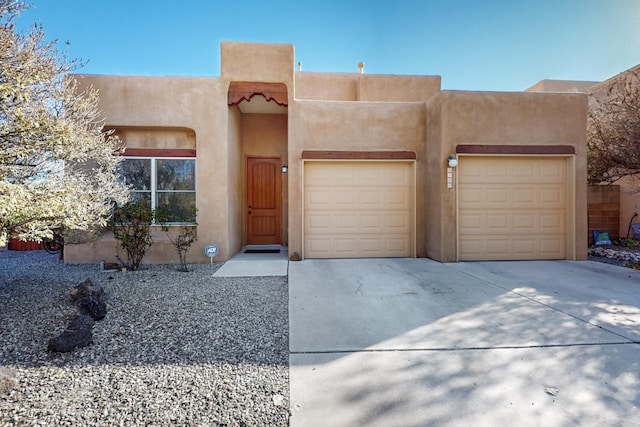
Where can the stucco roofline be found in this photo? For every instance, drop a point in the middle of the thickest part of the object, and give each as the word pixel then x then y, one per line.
pixel 95 76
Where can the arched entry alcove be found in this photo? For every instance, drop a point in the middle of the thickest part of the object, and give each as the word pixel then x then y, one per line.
pixel 258 116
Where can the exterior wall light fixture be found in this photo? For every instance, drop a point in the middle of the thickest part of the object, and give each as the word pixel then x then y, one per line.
pixel 285 168
pixel 452 161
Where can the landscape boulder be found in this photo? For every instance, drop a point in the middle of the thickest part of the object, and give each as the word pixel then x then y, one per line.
pixel 87 289
pixel 92 306
pixel 77 335
pixel 89 299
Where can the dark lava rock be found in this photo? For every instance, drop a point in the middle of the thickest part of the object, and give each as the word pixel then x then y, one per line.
pixel 77 335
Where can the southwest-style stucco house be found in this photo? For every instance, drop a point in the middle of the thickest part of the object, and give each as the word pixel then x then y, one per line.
pixel 347 165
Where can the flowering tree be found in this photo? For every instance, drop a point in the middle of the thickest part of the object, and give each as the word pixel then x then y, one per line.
pixel 613 135
pixel 57 164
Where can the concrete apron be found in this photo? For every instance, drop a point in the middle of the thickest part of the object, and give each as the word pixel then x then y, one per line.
pixel 245 264
pixel 413 342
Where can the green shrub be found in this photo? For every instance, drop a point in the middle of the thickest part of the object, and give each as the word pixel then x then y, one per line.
pixel 630 243
pixel 181 236
pixel 131 225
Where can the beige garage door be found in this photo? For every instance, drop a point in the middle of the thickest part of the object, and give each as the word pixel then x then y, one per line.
pixel 358 209
pixel 512 208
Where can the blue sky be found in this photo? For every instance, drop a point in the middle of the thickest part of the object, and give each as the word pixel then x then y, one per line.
pixel 474 45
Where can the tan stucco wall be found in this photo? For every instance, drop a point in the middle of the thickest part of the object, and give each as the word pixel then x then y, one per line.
pixel 357 126
pixel 236 180
pixel 326 86
pixel 183 103
pixel 500 118
pixel 364 87
pixel 257 62
pixel 394 88
pixel 436 203
pixel 157 137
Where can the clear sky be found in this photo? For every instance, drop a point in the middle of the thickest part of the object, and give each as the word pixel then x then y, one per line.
pixel 473 44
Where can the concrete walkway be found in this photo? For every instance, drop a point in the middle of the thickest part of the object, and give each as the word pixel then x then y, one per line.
pixel 412 342
pixel 245 264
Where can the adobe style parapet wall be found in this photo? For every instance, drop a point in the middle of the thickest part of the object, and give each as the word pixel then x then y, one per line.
pixel 365 87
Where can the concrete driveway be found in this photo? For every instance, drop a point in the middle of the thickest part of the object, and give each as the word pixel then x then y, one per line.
pixel 412 342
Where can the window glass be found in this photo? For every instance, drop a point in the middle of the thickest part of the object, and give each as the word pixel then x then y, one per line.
pixel 141 195
pixel 176 174
pixel 179 205
pixel 171 189
pixel 137 173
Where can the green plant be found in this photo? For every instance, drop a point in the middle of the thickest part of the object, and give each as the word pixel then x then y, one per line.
pixel 131 225
pixel 186 233
pixel 630 243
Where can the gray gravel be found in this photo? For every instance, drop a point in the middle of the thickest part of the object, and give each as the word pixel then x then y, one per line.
pixel 174 349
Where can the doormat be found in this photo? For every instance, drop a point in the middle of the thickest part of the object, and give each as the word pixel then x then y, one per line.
pixel 262 251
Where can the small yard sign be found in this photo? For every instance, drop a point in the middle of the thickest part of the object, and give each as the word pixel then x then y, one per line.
pixel 211 251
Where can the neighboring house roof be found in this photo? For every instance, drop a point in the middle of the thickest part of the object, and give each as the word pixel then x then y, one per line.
pixel 549 85
pixel 603 86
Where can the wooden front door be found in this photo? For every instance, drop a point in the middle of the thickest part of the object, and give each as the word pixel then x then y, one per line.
pixel 264 200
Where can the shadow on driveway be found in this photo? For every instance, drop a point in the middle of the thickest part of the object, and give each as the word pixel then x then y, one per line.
pixel 416 342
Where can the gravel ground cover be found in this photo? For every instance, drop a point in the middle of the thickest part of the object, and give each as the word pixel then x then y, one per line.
pixel 617 255
pixel 174 349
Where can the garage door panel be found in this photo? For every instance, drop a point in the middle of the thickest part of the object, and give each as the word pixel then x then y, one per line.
pixel 342 197
pixel 507 247
pixel 370 221
pixel 397 197
pixel 522 247
pixel 344 220
pixel 370 215
pixel 397 222
pixel 371 199
pixel 553 195
pixel 524 170
pixel 552 222
pixel 358 223
pixel 317 198
pixel 519 170
pixel 511 196
pixel 343 246
pixel 496 195
pixel 512 222
pixel 470 222
pixel 356 246
pixel 318 223
pixel 319 245
pixel 552 246
pixel 511 208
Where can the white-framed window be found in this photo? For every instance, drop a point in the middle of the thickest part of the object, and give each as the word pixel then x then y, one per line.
pixel 166 182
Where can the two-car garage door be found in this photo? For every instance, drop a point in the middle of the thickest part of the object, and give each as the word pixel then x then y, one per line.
pixel 358 209
pixel 512 208
pixel 509 208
